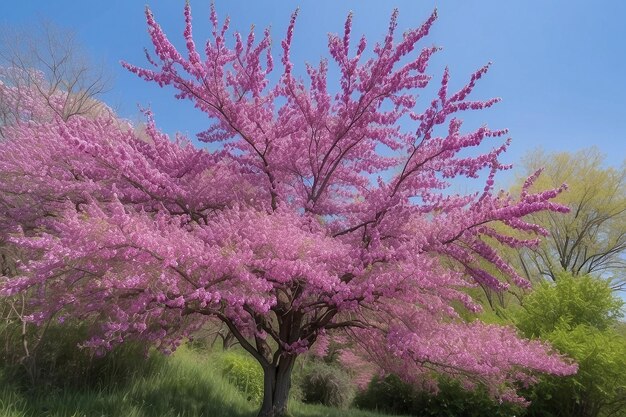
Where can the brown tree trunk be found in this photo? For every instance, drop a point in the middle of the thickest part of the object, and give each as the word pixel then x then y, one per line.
pixel 276 386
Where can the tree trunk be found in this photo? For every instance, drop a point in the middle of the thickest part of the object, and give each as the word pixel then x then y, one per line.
pixel 276 386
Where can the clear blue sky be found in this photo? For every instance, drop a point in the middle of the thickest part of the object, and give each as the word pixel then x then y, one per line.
pixel 560 66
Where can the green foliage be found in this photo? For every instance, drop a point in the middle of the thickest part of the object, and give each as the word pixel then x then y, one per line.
pixel 600 384
pixel 326 384
pixel 578 316
pixel 58 361
pixel 591 238
pixel 182 385
pixel 572 302
pixel 243 372
pixel 390 394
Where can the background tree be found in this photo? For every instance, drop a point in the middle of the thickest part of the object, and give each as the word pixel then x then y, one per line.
pixel 579 316
pixel 49 61
pixel 282 234
pixel 591 238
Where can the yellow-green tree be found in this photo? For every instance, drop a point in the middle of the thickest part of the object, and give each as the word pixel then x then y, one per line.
pixel 591 239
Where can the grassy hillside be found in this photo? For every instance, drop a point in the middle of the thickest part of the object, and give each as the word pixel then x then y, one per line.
pixel 187 384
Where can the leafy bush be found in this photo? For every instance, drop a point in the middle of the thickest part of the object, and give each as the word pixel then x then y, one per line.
pixel 387 394
pixel 326 384
pixel 572 301
pixel 599 387
pixel 244 373
pixel 578 316
pixel 390 394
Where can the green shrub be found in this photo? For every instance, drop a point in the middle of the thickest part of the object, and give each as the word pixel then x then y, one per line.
pixel 326 384
pixel 454 401
pixel 572 301
pixel 387 394
pixel 578 316
pixel 391 395
pixel 243 372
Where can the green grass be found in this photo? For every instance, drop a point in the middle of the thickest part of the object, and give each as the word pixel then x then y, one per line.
pixel 187 384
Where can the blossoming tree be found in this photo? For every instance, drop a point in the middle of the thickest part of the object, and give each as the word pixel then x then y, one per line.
pixel 297 228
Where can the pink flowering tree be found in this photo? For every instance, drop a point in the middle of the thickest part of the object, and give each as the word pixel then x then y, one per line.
pixel 297 229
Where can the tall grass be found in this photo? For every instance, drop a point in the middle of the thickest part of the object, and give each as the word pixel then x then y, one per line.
pixel 186 384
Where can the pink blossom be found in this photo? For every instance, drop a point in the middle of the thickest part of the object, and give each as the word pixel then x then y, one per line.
pixel 283 233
